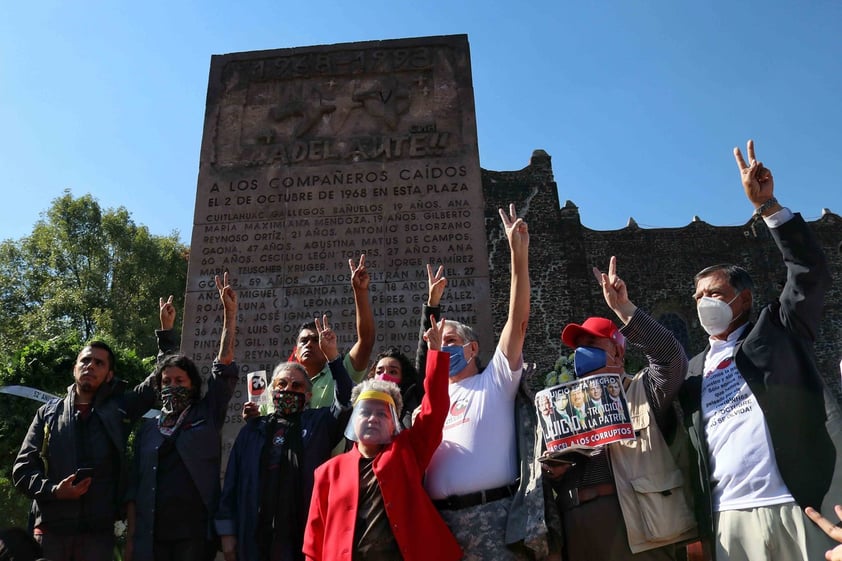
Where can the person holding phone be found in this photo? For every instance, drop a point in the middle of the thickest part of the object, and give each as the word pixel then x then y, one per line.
pixel 72 462
pixel 82 474
pixel 174 487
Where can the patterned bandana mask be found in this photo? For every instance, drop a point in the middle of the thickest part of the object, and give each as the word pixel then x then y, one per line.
pixel 287 402
pixel 175 399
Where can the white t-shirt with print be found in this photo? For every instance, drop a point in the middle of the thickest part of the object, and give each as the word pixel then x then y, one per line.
pixel 744 473
pixel 478 449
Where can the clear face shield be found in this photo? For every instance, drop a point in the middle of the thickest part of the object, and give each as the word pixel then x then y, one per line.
pixel 374 420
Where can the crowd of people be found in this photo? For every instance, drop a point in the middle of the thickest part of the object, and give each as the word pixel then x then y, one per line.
pixel 444 457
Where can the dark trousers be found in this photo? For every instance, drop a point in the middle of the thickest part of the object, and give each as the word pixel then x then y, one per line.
pixel 188 549
pixel 595 531
pixel 97 546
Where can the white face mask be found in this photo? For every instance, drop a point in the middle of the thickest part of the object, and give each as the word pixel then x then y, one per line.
pixel 715 315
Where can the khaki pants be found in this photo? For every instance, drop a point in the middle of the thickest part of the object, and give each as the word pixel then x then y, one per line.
pixel 769 533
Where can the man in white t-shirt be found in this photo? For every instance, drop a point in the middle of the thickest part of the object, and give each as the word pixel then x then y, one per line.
pixel 754 400
pixel 473 474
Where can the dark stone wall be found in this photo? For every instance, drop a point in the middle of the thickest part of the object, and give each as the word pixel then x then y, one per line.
pixel 658 266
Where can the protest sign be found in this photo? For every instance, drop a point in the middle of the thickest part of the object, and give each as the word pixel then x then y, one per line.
pixel 256 385
pixel 584 413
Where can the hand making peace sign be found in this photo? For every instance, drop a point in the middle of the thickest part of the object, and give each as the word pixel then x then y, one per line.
pixel 327 339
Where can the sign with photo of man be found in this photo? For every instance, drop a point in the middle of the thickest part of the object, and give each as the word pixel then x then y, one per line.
pixel 588 412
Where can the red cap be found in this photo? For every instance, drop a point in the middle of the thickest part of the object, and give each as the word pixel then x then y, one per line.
pixel 596 327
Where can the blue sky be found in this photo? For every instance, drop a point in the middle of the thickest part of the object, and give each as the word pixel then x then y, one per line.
pixel 639 103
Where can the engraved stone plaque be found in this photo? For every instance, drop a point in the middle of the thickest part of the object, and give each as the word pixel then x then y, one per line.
pixel 313 156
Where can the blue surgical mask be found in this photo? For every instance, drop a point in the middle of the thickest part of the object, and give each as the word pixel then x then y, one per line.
pixel 588 359
pixel 457 358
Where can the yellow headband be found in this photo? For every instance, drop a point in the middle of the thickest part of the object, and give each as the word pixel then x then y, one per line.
pixel 374 394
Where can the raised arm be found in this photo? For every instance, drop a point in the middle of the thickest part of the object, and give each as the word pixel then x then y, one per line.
pixel 758 183
pixel 436 283
pixel 167 342
pixel 808 276
pixel 426 430
pixel 360 353
pixel 166 313
pixel 342 380
pixel 667 360
pixel 615 292
pixel 228 297
pixel 224 375
pixel 144 395
pixel 514 332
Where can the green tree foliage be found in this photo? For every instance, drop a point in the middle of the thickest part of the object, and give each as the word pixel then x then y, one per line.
pixel 15 505
pixel 83 273
pixel 87 272
pixel 48 366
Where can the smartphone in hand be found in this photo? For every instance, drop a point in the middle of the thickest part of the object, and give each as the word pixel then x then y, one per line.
pixel 82 474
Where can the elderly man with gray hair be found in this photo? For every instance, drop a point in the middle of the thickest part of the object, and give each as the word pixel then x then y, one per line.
pixel 754 400
pixel 473 477
pixel 269 479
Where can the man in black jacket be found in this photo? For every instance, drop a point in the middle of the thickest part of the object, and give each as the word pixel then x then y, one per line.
pixel 753 399
pixel 74 516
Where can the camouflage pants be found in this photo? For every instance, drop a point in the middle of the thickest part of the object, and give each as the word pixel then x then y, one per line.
pixel 481 529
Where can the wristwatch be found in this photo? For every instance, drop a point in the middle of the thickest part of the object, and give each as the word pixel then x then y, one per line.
pixel 765 206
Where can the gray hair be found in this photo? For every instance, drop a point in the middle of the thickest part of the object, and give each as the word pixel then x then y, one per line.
pixel 463 331
pixel 292 366
pixel 379 386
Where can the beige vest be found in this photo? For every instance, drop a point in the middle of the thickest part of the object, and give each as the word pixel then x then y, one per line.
pixel 656 503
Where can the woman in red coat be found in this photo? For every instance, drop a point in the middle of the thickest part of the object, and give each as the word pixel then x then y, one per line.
pixel 369 503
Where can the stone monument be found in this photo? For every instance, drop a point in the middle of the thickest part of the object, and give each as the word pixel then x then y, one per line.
pixel 312 156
